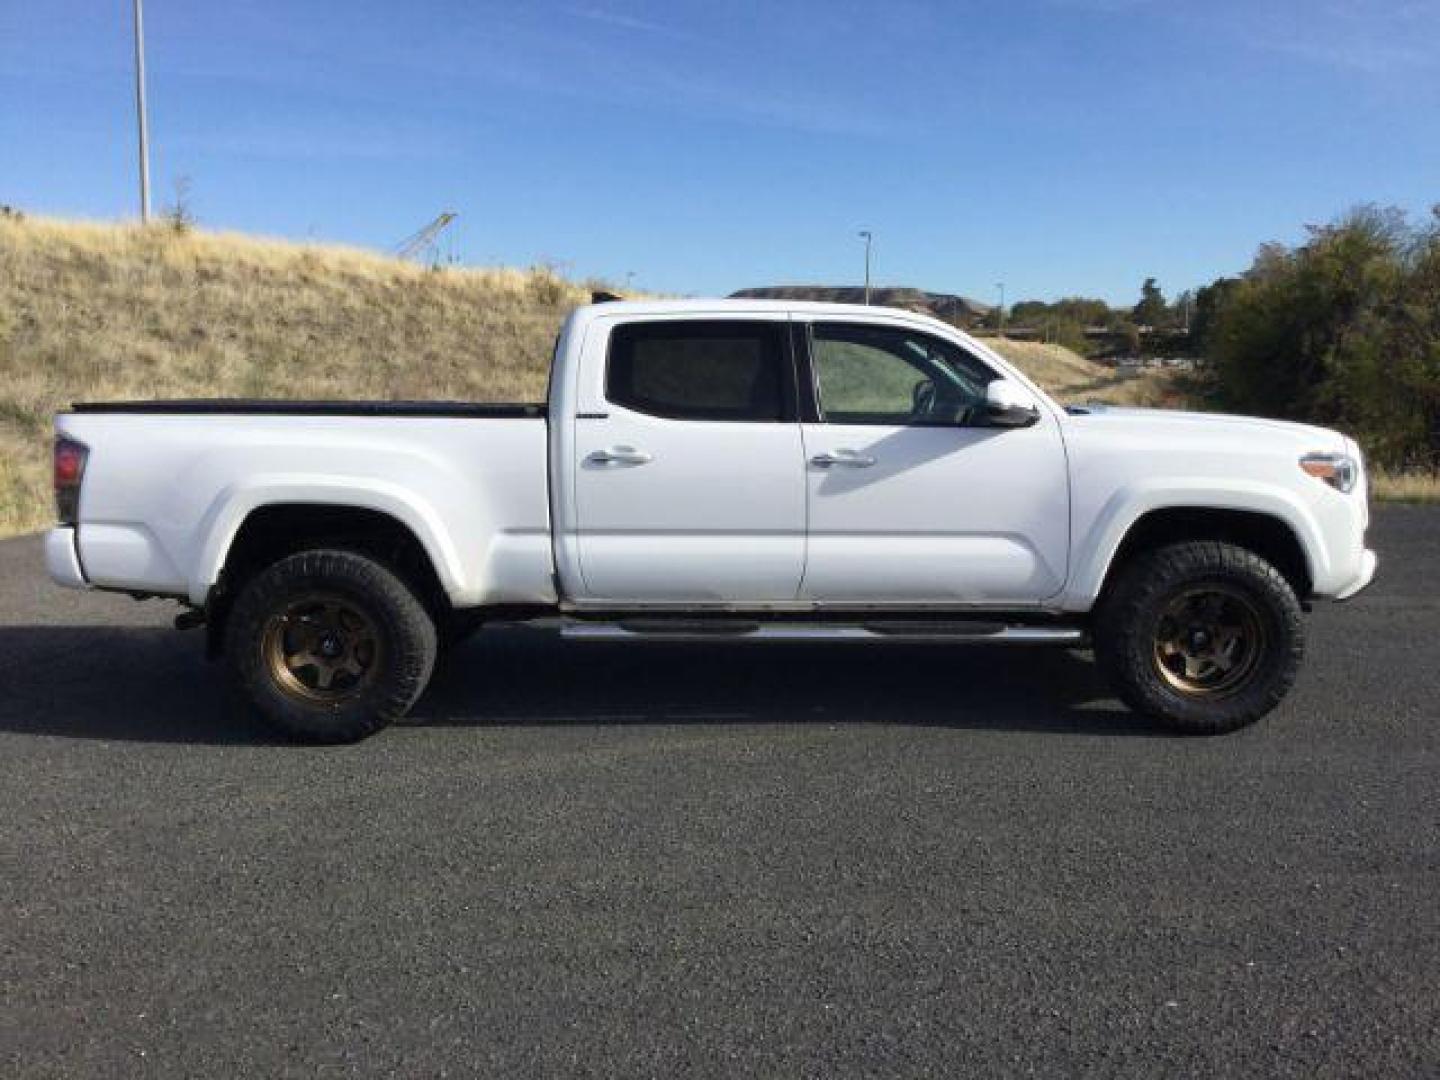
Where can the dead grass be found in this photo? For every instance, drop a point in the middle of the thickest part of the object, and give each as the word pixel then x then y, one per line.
pixel 25 501
pixel 1414 487
pixel 1074 380
pixel 98 311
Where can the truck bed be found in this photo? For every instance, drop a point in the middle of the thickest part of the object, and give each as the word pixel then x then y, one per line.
pixel 169 484
pixel 268 407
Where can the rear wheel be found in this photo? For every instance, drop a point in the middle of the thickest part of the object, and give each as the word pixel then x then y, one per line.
pixel 329 646
pixel 1204 636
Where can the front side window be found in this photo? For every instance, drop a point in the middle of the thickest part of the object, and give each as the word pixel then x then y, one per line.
pixel 868 374
pixel 700 370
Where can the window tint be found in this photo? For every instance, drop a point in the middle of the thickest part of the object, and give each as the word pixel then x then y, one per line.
pixel 886 375
pixel 720 370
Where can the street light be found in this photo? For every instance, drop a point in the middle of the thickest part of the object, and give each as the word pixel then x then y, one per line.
pixel 140 112
pixel 865 235
pixel 1001 286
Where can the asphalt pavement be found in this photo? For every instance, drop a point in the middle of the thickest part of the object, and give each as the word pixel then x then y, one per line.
pixel 720 860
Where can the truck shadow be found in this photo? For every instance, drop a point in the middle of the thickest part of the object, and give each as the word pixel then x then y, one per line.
pixel 522 676
pixel 153 684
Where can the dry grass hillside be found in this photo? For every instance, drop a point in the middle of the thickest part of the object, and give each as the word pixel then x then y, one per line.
pixel 1071 378
pixel 116 311
pixel 110 311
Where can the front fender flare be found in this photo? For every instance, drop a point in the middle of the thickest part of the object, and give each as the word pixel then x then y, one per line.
pixel 1096 549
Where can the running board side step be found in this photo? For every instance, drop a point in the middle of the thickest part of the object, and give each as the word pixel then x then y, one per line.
pixel 959 632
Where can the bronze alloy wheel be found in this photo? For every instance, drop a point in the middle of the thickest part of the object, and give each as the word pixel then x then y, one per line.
pixel 322 649
pixel 1209 641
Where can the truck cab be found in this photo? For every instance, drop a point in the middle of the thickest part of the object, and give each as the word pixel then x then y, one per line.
pixel 789 460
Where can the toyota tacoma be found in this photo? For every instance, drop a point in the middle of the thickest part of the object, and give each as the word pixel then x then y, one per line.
pixel 719 470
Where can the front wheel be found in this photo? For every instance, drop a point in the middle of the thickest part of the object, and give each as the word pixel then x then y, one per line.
pixel 328 646
pixel 1204 636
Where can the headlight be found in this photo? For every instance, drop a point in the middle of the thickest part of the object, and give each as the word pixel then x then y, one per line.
pixel 1340 471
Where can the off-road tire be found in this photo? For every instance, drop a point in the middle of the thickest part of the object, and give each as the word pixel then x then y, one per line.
pixel 1128 620
pixel 402 631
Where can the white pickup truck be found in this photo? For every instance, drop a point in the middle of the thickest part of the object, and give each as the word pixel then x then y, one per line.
pixel 710 470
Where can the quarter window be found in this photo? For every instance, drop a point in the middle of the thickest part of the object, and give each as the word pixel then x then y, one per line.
pixel 721 370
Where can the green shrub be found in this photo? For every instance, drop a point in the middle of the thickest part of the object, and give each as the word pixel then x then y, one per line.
pixel 1343 329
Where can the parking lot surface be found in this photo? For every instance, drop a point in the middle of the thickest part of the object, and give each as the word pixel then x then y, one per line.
pixel 666 860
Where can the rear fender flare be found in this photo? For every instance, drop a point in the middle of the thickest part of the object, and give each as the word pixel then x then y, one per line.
pixel 230 508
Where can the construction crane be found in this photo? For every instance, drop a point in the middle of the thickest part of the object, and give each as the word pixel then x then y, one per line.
pixel 423 241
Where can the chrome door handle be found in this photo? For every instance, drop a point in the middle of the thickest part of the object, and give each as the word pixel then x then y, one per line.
pixel 850 460
pixel 619 455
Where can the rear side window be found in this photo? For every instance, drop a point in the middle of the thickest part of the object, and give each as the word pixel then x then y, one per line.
pixel 702 370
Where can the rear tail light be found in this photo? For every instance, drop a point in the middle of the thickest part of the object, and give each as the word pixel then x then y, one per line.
pixel 70 458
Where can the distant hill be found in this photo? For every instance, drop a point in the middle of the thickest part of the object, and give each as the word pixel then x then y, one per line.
pixel 955 309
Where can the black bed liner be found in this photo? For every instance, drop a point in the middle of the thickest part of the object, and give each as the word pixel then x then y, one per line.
pixel 263 407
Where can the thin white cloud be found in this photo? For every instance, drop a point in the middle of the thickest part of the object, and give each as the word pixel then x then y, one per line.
pixel 1104 7
pixel 308 144
pixel 1374 38
pixel 1366 57
pixel 1368 36
pixel 623 21
pixel 679 82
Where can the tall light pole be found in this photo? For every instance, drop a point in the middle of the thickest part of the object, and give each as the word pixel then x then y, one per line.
pixel 865 235
pixel 1001 286
pixel 140 112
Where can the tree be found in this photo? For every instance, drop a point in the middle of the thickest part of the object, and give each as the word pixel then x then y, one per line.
pixel 1151 309
pixel 179 215
pixel 1343 329
pixel 1209 302
pixel 1181 310
pixel 1065 321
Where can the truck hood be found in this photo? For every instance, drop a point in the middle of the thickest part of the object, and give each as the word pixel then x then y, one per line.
pixel 1173 423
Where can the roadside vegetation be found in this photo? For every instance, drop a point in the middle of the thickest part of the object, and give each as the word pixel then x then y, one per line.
pixel 1074 380
pixel 1341 330
pixel 1413 486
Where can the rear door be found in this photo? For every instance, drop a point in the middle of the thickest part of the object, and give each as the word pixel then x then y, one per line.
pixel 912 500
pixel 689 469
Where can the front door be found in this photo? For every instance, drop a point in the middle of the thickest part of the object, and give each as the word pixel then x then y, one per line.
pixel 689 479
pixel 911 499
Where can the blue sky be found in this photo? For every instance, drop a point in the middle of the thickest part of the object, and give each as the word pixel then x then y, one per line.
pixel 1060 146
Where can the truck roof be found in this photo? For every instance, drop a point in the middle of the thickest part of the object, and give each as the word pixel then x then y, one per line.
pixel 740 306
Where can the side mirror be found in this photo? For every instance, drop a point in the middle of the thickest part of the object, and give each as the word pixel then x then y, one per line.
pixel 1008 404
